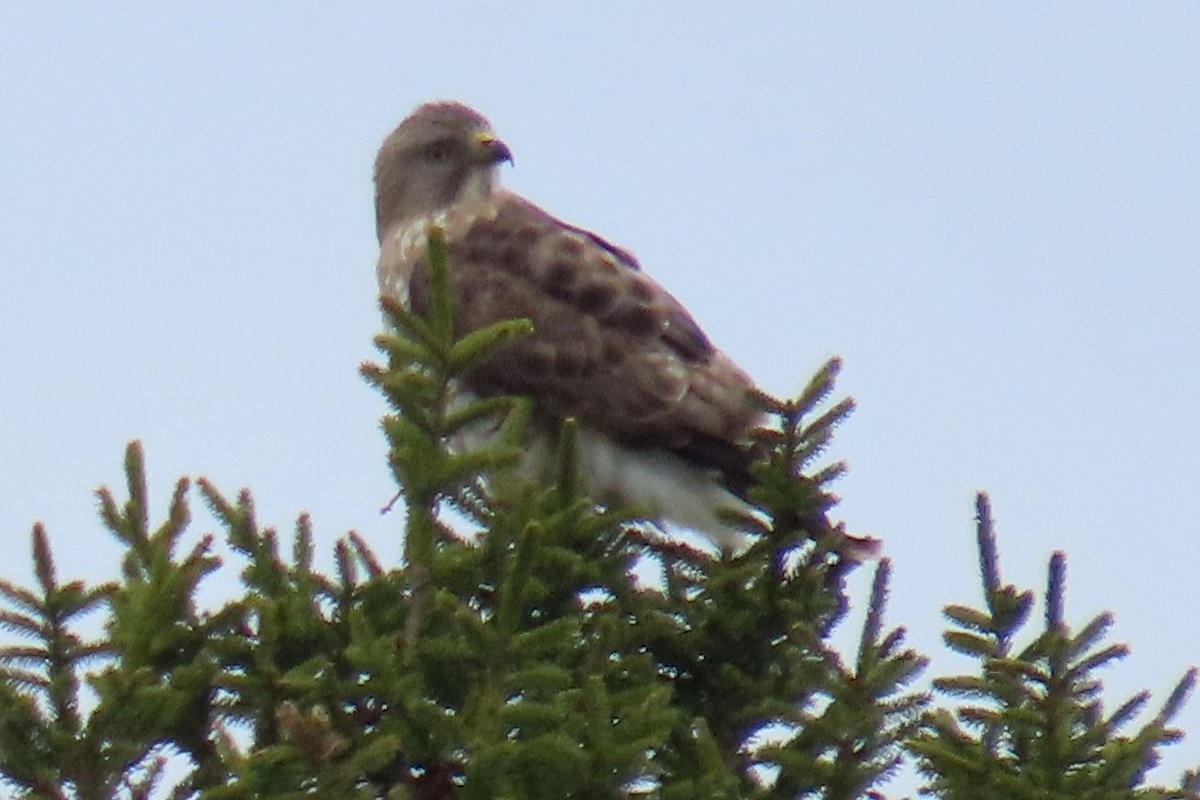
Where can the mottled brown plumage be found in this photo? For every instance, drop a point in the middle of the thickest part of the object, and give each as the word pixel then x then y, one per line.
pixel 610 347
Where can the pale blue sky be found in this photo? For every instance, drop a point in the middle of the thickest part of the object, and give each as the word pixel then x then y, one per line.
pixel 989 210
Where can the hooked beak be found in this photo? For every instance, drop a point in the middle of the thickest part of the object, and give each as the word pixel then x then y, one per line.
pixel 491 150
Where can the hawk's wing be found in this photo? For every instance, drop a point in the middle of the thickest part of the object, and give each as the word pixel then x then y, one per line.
pixel 610 346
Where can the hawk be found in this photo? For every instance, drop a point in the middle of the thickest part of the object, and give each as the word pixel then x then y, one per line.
pixel 663 415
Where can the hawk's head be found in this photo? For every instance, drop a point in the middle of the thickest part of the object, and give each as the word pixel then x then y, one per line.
pixel 441 154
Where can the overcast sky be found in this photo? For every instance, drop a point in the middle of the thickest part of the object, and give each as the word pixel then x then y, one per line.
pixel 989 210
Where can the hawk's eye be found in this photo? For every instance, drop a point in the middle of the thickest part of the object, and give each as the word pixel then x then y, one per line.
pixel 440 151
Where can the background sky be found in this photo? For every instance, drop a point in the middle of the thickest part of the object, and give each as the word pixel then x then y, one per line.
pixel 990 211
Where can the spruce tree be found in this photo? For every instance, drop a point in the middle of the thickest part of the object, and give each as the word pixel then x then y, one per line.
pixel 520 651
pixel 1031 724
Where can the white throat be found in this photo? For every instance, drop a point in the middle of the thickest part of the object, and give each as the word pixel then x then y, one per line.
pixel 479 186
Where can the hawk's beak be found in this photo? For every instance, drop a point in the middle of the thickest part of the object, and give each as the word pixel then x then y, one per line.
pixel 491 150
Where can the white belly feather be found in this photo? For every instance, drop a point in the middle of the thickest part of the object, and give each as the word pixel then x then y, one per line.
pixel 661 485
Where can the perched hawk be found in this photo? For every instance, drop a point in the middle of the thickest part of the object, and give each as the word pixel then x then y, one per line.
pixel 663 414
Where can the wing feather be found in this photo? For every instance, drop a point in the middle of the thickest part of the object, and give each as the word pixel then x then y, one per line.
pixel 610 346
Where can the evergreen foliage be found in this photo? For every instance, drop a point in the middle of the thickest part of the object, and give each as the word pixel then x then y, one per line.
pixel 516 652
pixel 1031 724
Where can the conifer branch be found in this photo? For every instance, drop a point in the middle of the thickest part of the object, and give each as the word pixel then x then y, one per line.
pixel 533 658
pixel 1035 727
